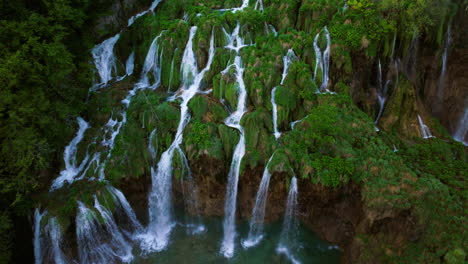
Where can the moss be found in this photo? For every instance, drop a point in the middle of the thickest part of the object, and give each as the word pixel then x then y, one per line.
pixel 229 138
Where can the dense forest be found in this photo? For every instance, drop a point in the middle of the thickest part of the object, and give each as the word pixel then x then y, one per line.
pixel 362 101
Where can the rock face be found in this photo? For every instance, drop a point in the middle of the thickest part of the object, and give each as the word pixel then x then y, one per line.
pixel 417 83
pixel 117 15
pixel 338 215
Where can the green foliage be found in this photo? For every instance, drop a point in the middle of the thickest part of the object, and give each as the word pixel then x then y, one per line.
pixel 332 171
pixel 199 134
pixel 6 237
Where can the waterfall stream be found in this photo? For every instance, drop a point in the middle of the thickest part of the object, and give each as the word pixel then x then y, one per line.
pixel 322 60
pixel 160 200
pixel 104 60
pixel 151 9
pixel 425 131
pixel 69 156
pixel 288 240
pixel 255 235
pixel 38 240
pixel 235 43
pixel 117 242
pixel 92 245
pixel 55 237
pixel 288 59
pixel 461 131
pixel 442 78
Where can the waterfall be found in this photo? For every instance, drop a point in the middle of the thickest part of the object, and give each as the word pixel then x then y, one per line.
pixel 38 250
pixel 259 5
pixel 121 248
pixel 69 156
pixel 276 132
pixel 92 246
pixel 130 64
pixel 229 228
pixel 425 132
pixel 190 196
pixel 151 9
pixel 288 59
pixel 288 238
pixel 151 148
pixel 151 65
pixel 160 200
pixel 124 205
pixel 462 128
pixel 322 60
pixel 55 237
pixel 381 93
pixel 272 29
pixel 171 75
pixel 244 5
pixel 442 78
pixel 258 212
pixel 104 60
pixel 294 123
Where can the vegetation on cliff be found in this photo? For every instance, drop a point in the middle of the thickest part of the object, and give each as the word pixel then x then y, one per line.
pixel 45 78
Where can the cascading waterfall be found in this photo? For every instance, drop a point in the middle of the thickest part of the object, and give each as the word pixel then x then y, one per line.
pixel 151 65
pixel 288 240
pixel 322 60
pixel 244 5
pixel 130 64
pixel 272 29
pixel 276 132
pixel 69 156
pixel 189 190
pixel 259 5
pixel 151 147
pixel 151 9
pixel 171 75
pixel 92 246
pixel 442 79
pixel 38 240
pixel 227 246
pixel 425 132
pixel 135 227
pixel 113 127
pixel 461 131
pixel 117 242
pixel 381 94
pixel 258 212
pixel 160 200
pixel 55 237
pixel 110 130
pixel 287 61
pixel 104 60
